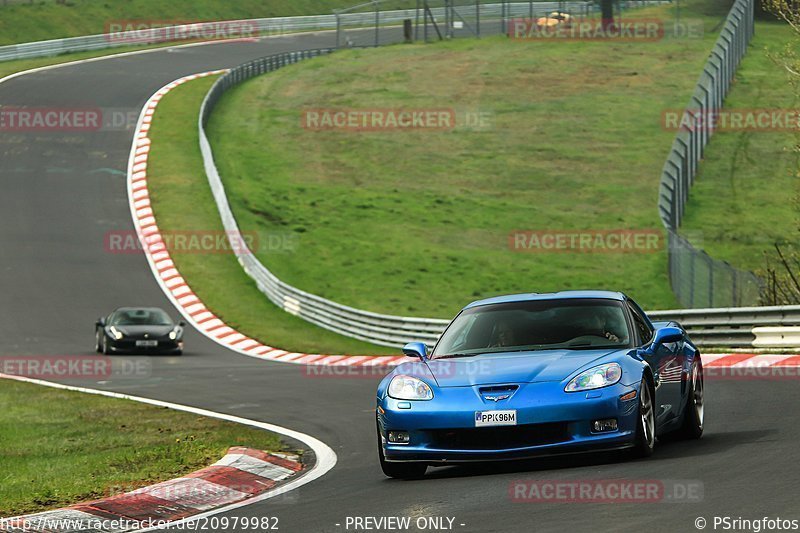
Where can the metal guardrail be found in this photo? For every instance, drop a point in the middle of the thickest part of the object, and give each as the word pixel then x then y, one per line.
pixel 697 279
pixel 260 26
pixel 730 327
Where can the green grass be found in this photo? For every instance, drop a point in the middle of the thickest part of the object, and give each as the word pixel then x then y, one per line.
pixel 48 20
pixel 418 222
pixel 182 200
pixel 60 448
pixel 745 195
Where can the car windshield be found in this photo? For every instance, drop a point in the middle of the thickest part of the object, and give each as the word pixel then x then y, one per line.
pixel 140 317
pixel 574 324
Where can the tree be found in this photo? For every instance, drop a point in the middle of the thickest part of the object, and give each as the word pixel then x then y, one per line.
pixel 783 269
pixel 607 14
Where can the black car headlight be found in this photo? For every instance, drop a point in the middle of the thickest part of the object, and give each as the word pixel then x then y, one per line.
pixel 176 333
pixel 114 332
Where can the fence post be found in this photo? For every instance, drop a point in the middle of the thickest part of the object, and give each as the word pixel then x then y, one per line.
pixel 478 18
pixel 710 281
pixel 692 255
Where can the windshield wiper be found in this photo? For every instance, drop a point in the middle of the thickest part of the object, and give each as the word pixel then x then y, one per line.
pixel 582 345
pixel 454 355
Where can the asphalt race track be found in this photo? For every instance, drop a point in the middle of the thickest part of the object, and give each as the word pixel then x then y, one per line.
pixel 62 192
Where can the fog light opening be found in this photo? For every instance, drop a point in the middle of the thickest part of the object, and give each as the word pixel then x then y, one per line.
pixel 398 437
pixel 605 425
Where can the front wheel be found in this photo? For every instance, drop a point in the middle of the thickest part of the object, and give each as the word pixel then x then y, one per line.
pixel 646 423
pixel 410 470
pixel 104 349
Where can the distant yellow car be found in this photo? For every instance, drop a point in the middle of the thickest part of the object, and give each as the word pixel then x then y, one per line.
pixel 555 19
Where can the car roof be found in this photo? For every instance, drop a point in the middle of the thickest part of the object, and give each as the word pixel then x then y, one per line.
pixel 561 295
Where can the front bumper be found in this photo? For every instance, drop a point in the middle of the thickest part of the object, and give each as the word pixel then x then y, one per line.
pixel 549 421
pixel 127 345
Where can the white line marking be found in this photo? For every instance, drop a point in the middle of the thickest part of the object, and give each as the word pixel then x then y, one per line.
pixel 326 457
pixel 145 51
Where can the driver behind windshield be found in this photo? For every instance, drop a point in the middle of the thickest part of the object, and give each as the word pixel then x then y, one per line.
pixel 598 324
pixel 503 335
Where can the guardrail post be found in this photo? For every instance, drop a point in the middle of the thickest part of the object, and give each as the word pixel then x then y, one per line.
pixel 377 23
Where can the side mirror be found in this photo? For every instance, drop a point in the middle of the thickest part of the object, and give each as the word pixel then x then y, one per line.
pixel 182 324
pixel 416 349
pixel 101 322
pixel 665 336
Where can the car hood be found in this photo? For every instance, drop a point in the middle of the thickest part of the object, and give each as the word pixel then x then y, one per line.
pixel 516 367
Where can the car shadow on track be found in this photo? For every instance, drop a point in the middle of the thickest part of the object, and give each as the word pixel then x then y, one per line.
pixel 667 450
pixel 711 443
pixel 529 465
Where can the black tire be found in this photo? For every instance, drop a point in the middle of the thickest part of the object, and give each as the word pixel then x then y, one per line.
pixel 646 422
pixel 694 411
pixel 97 347
pixel 104 346
pixel 410 470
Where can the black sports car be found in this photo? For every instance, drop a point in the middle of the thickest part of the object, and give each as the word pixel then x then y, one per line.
pixel 139 330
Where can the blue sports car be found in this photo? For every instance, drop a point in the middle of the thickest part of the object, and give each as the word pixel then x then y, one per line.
pixel 528 375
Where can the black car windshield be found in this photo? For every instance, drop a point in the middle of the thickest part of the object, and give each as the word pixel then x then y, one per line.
pixel 140 317
pixel 574 324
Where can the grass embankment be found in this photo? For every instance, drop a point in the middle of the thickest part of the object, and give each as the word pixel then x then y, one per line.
pixel 746 193
pixel 60 447
pixel 417 222
pixel 182 201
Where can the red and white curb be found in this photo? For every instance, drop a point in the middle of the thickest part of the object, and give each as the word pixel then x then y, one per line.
pixel 239 476
pixel 745 361
pixel 175 286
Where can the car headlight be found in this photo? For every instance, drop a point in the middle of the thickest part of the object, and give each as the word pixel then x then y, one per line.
pixel 408 388
pixel 117 334
pixel 595 378
pixel 175 333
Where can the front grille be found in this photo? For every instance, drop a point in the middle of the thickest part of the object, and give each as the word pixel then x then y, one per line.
pixel 499 438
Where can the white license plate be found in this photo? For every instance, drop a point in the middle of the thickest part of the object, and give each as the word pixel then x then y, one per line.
pixel 146 344
pixel 495 418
